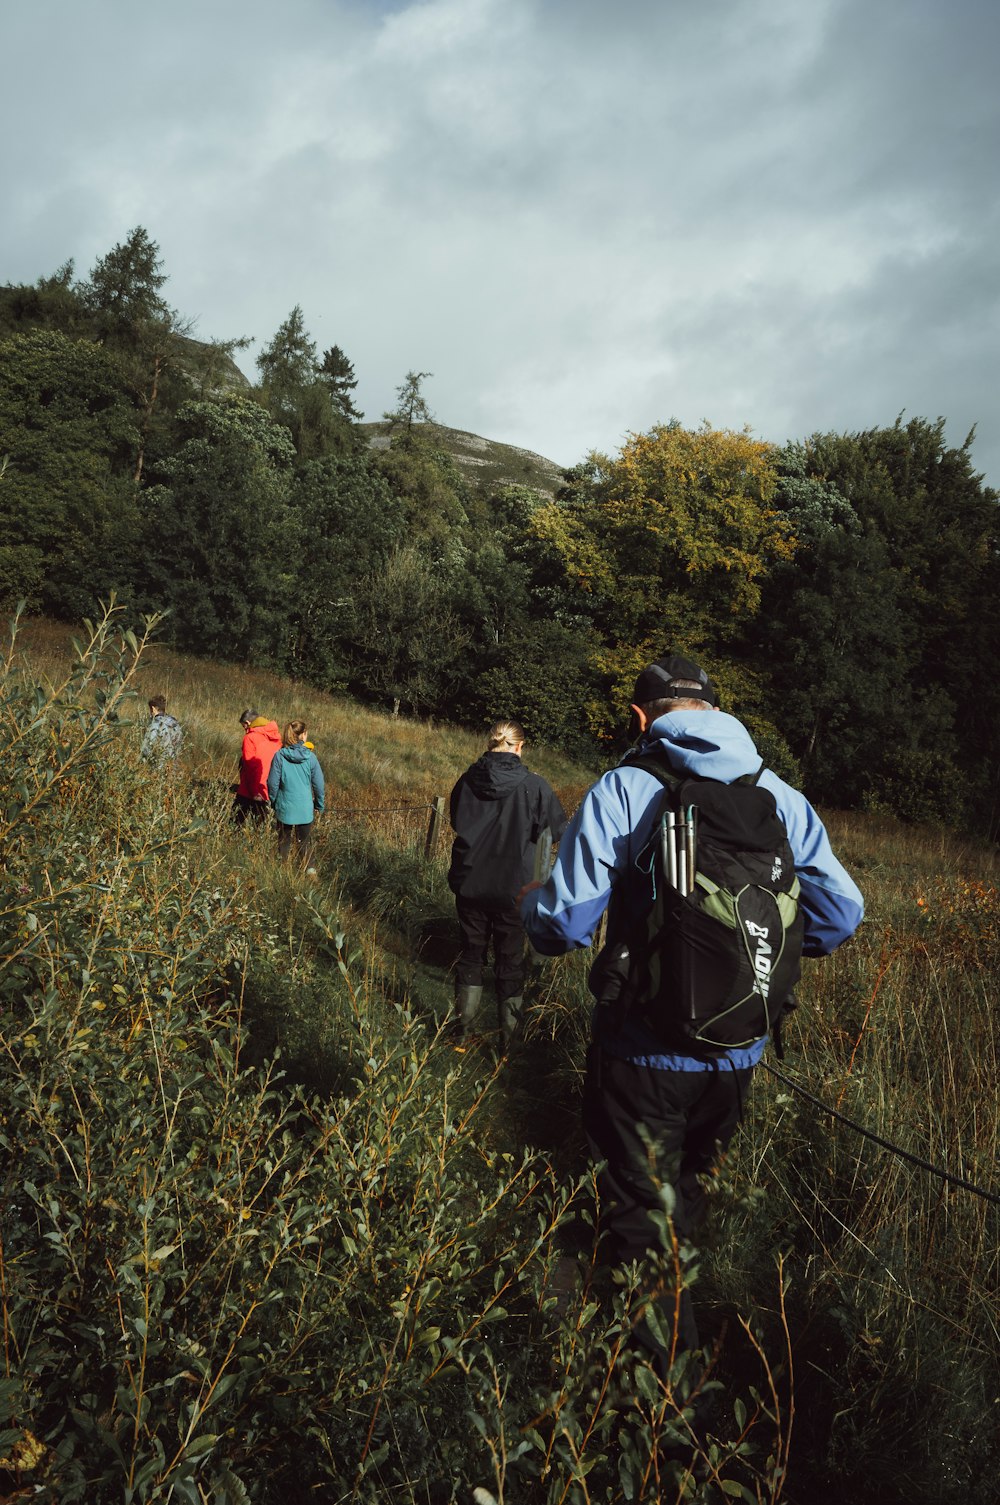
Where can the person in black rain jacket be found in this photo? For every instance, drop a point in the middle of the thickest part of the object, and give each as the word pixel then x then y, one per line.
pixel 499 809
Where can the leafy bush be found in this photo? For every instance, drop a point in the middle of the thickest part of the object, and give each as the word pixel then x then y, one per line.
pixel 215 1286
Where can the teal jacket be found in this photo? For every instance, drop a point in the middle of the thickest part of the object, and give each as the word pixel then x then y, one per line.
pixel 295 785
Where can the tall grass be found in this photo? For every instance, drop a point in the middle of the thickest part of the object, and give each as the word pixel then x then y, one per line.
pixel 222 1282
pixel 266 1236
pixel 896 1283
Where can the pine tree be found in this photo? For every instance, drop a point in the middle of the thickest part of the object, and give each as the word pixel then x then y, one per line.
pixel 337 372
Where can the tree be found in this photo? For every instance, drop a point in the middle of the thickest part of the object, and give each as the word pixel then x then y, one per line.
pixel 287 365
pixel 337 372
pixel 420 472
pixel 52 303
pixel 220 546
pixel 124 299
pixel 667 543
pixel 301 394
pixel 68 514
pixel 407 637
pixel 124 286
pixel 879 641
pixel 831 634
pixel 411 409
pixel 348 524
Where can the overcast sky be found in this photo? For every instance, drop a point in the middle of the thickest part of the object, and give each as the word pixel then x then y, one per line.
pixel 582 217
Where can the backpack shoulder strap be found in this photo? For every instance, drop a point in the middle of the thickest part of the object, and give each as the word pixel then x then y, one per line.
pixel 654 763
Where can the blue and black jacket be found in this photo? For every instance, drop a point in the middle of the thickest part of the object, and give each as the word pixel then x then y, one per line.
pixel 615 822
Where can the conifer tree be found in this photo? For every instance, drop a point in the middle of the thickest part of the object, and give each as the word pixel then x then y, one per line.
pixel 337 372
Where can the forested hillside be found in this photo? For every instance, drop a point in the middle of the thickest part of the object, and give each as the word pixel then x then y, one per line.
pixel 844 588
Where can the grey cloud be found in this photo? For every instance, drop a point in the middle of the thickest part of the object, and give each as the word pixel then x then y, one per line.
pixel 583 218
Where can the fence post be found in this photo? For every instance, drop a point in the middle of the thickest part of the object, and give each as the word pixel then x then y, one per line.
pixel 437 814
pixel 543 855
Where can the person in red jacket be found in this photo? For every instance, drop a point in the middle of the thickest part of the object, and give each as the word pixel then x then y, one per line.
pixel 261 740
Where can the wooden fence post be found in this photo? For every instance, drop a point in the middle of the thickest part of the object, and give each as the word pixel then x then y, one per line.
pixel 433 825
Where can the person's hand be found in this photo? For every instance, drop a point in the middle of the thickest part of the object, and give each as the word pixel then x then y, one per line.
pixel 535 883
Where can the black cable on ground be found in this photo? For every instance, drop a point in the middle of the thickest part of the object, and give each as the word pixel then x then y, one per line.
pixel 895 1149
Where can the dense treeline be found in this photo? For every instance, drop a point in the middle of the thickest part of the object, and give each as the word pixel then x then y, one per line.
pixel 845 589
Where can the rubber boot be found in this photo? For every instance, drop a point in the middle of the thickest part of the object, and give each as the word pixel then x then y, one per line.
pixel 468 997
pixel 510 1012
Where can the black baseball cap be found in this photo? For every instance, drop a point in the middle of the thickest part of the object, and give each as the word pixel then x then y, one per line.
pixel 670 678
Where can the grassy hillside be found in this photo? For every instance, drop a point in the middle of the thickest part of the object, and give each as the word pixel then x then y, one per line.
pixel 363 1268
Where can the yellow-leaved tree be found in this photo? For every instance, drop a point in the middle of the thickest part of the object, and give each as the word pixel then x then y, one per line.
pixel 668 543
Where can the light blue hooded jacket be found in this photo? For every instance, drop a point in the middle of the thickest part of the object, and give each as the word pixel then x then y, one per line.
pixel 295 785
pixel 615 822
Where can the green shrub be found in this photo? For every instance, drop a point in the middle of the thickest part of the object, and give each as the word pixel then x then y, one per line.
pixel 217 1287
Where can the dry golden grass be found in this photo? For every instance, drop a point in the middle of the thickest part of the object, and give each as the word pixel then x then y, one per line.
pixel 371 759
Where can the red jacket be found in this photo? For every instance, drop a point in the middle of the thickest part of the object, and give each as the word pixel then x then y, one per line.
pixel 259 746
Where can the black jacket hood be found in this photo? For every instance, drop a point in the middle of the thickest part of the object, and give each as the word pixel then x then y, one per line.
pixel 496 775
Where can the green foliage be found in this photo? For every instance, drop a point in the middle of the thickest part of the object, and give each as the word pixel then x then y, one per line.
pixel 68 515
pixel 288 362
pixel 347 525
pixel 541 669
pixel 876 634
pixel 337 373
pixel 124 286
pixel 202 1263
pixel 310 398
pixel 406 637
pixel 52 303
pixel 222 1284
pixel 219 539
pixel 411 408
pixel 844 591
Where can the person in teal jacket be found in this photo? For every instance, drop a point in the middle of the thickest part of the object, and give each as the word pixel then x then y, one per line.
pixel 297 792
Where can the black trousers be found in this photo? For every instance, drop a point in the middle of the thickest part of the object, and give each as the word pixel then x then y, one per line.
pixel 302 836
pixel 245 808
pixel 689 1117
pixel 482 926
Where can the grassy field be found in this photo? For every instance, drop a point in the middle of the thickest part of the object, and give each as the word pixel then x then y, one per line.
pixel 269 1236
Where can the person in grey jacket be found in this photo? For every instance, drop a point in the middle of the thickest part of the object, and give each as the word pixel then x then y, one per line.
pixel 499 809
pixel 164 734
pixel 297 792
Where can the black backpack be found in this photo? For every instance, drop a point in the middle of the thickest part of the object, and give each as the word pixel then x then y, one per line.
pixel 713 963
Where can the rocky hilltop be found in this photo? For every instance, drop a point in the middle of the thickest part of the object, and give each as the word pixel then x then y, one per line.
pixel 487 463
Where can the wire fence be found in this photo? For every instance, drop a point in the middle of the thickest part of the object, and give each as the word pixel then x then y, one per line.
pixel 408 825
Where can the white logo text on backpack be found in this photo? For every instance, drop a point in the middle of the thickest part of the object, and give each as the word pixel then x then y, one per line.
pixel 762 956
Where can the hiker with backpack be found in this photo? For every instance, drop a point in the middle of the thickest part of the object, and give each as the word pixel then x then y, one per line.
pixel 716 876
pixel 161 744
